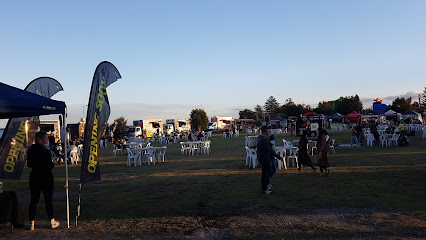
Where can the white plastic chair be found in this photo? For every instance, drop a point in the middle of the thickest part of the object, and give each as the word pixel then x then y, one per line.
pixel 332 149
pixel 117 151
pixel 205 147
pixel 253 157
pixel 132 154
pixel 314 147
pixel 370 139
pixel 383 140
pixel 74 154
pixel 282 153
pixel 184 148
pixel 248 160
pixel 161 153
pixel 194 148
pixel 393 141
pixel 150 155
pixel 292 155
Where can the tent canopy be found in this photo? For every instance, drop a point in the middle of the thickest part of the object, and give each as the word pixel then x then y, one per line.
pixel 15 103
pixel 390 111
pixel 410 112
pixel 335 115
pixel 277 119
pixel 353 114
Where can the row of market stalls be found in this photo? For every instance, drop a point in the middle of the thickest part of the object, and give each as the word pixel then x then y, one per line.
pixel 311 118
pixel 318 120
pixel 389 115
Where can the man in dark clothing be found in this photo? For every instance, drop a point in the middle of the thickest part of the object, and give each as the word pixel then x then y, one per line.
pixel 52 143
pixel 265 155
pixel 39 159
pixel 373 130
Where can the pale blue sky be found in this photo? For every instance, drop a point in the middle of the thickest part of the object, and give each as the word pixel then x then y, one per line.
pixel 222 56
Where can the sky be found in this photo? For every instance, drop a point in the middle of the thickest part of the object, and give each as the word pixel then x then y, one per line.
pixel 221 56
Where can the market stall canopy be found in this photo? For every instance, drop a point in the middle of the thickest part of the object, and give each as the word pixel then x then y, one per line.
pixel 15 103
pixel 409 113
pixel 353 114
pixel 335 115
pixel 390 113
pixel 412 114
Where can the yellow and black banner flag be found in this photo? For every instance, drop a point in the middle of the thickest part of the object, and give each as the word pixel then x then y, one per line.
pixel 19 132
pixel 98 112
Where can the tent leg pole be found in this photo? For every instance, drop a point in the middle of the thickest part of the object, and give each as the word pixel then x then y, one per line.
pixel 66 171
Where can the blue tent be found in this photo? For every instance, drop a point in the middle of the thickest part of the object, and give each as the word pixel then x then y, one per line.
pixel 278 118
pixel 335 117
pixel 15 103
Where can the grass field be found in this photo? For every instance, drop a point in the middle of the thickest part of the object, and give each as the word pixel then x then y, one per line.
pixel 371 193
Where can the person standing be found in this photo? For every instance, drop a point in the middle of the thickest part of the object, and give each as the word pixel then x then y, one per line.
pixel 303 153
pixel 265 155
pixel 39 159
pixel 353 136
pixel 359 135
pixel 323 147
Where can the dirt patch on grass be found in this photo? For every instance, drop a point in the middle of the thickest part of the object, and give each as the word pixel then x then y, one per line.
pixel 317 224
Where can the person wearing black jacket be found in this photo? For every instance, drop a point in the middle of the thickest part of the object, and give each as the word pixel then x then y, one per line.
pixel 304 158
pixel 39 159
pixel 266 155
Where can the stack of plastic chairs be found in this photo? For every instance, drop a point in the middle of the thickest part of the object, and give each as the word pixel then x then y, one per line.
pixel 251 158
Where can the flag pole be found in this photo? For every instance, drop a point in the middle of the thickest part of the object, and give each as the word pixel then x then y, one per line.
pixel 78 206
pixel 66 169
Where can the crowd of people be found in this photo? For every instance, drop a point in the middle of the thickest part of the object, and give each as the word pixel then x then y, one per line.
pixel 357 135
pixel 266 155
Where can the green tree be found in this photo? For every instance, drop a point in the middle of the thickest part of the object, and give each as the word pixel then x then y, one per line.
pixel 289 108
pixel 367 111
pixel 247 114
pixel 271 106
pixel 259 112
pixel 422 102
pixel 198 118
pixel 348 105
pixel 401 105
pixel 119 125
pixel 323 108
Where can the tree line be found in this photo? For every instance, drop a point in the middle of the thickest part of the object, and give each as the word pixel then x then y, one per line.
pixel 272 108
pixel 343 105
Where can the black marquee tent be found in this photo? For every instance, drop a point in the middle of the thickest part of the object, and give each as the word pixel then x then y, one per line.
pixel 15 103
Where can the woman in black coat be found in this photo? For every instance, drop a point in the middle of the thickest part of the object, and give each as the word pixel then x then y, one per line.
pixel 303 157
pixel 39 159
